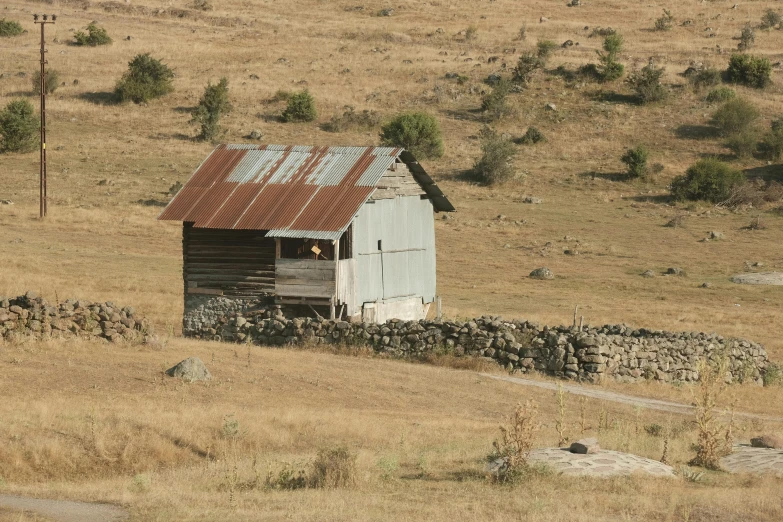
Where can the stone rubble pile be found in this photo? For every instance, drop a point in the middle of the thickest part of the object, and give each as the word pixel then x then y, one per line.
pixel 30 315
pixel 617 351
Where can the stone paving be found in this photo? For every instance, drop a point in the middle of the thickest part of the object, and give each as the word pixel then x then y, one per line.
pixel 605 463
pixel 759 461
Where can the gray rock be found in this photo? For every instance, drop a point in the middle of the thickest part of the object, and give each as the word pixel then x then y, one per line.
pixel 532 201
pixel 676 271
pixel 648 273
pixel 715 235
pixel 191 369
pixel 255 134
pixel 551 107
pixel 585 446
pixel 542 273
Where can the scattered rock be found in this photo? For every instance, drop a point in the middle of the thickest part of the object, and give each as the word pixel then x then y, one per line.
pixel 759 278
pixel 571 252
pixel 175 188
pixel 568 43
pixel 446 217
pixel 676 271
pixel 543 19
pixel 191 369
pixel 551 107
pixel 648 273
pixel 493 79
pixel 6 202
pixel 254 77
pixel 532 201
pixel 542 273
pixel 715 235
pixel 585 446
pixel 767 441
pixel 128 38
pixel 255 134
pixel 706 285
pixel 105 182
pixel 386 12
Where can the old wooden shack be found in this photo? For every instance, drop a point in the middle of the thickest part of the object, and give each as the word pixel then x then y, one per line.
pixel 350 229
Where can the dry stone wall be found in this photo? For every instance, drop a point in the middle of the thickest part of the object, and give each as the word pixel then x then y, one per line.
pixel 31 316
pixel 616 351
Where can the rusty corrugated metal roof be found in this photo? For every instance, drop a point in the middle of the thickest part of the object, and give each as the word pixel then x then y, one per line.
pixel 290 191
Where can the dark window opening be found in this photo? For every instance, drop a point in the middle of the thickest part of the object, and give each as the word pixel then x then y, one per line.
pixel 380 247
pixel 296 248
pixel 346 244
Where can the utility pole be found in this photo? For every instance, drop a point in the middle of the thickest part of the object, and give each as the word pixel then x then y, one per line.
pixel 43 20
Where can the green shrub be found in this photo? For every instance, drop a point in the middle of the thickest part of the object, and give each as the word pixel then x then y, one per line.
pixel 145 79
pixel 19 127
pixel 721 94
pixel 418 132
pixel 51 80
pixel 301 107
pixel 495 164
pixel 707 77
pixel 743 143
pixel 773 375
pixel 94 36
pixel 544 49
pixel 528 64
pixel 213 104
pixel 735 116
pixel 471 33
pixel 610 69
pixel 647 84
pixel 770 19
pixel 753 71
pixel 747 38
pixel 495 103
pixel 709 180
pixel 532 136
pixel 664 23
pixel 635 160
pixel 772 144
pixel 10 28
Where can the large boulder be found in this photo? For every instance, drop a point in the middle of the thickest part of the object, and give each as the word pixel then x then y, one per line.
pixel 191 369
pixel 585 446
pixel 767 441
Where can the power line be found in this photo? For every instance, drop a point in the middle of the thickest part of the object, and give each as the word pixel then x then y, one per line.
pixel 43 20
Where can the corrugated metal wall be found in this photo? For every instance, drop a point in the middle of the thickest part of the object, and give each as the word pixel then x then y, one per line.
pixel 405 265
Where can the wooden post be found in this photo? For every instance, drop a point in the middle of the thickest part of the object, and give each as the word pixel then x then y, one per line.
pixel 331 309
pixel 581 321
pixel 438 309
pixel 576 309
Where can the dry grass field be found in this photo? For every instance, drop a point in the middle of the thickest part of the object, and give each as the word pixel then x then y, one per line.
pixel 86 421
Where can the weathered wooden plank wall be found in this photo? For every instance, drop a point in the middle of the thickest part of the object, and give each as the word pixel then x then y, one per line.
pixel 227 262
pixel 305 278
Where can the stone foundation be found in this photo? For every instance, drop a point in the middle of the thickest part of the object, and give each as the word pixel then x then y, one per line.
pixel 616 351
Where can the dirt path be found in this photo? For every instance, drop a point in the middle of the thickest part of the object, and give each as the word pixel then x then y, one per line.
pixel 65 510
pixel 631 400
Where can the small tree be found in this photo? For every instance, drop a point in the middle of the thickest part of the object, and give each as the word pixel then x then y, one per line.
pixel 94 36
pixel 772 145
pixel 647 84
pixel 664 23
pixel 497 153
pixel 707 77
pixel 544 49
pixel 300 108
pixel 51 81
pixel 635 160
pixel 511 451
pixel 495 103
pixel 610 69
pixel 770 19
pixel 145 79
pixel 735 116
pixel 18 127
pixel 709 180
pixel 532 136
pixel 10 28
pixel 747 38
pixel 753 71
pixel 213 104
pixel 418 132
pixel 528 64
pixel 714 438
